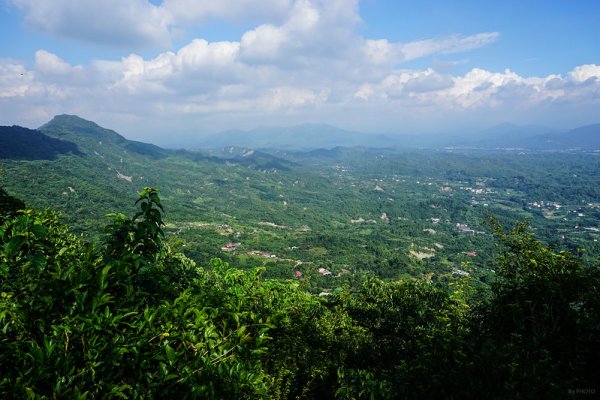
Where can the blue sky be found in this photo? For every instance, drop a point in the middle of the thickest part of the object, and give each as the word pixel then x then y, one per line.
pixel 537 37
pixel 158 70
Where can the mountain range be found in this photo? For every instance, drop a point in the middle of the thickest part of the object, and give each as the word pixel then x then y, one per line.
pixel 85 171
pixel 584 137
pixel 534 137
pixel 68 133
pixel 301 137
pixel 230 194
pixel 310 137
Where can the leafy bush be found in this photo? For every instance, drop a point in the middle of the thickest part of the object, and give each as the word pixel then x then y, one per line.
pixel 132 318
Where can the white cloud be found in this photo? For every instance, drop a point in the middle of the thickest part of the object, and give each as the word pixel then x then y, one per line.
pixel 291 32
pixel 140 24
pixel 447 45
pixel 481 91
pixel 232 10
pixel 313 30
pixel 406 84
pixel 585 72
pixel 263 43
pixel 305 60
pixel 292 98
pixel 49 63
pixel 15 80
pixel 381 51
pixel 119 23
pixel 193 69
pixel 429 81
pixel 208 82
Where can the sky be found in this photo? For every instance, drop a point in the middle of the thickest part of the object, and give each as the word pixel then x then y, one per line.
pixel 171 70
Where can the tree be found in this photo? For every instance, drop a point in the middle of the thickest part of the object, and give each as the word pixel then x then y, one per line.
pixel 133 320
pixel 541 330
pixel 9 205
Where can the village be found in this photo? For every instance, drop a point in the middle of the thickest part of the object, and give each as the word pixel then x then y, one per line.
pixel 352 220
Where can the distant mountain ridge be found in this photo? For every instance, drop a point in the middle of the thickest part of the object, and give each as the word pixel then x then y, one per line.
pixel 300 137
pixel 310 137
pixel 73 134
pixel 94 138
pixel 535 138
pixel 584 137
pixel 507 133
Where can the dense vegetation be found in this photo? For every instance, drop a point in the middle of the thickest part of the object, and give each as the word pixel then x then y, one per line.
pixel 27 144
pixel 347 211
pixel 340 273
pixel 130 317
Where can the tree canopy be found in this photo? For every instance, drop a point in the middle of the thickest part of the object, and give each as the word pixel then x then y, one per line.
pixel 133 318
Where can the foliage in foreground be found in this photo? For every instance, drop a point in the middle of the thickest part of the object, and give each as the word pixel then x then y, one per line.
pixel 132 318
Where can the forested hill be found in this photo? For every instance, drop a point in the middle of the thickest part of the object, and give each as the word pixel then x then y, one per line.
pixel 344 211
pixel 347 273
pixel 584 137
pixel 9 205
pixel 89 135
pixel 94 138
pixel 27 144
pixel 532 138
pixel 65 124
pixel 105 168
pixel 131 317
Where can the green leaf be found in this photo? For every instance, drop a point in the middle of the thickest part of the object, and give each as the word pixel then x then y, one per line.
pixel 171 354
pixel 39 231
pixel 13 245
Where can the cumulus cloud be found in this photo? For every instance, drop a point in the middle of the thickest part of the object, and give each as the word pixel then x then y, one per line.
pixel 15 80
pixel 585 72
pixel 429 81
pixel 313 30
pixel 196 68
pixel 50 64
pixel 140 24
pixel 208 80
pixel 290 32
pixel 232 10
pixel 479 89
pixel 305 59
pixel 382 52
pixel 121 23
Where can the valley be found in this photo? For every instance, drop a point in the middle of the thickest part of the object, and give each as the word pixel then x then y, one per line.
pixel 332 216
pixel 344 272
pixel 299 199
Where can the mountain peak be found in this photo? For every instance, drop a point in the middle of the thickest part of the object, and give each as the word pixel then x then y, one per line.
pixel 71 122
pixel 71 118
pixel 65 124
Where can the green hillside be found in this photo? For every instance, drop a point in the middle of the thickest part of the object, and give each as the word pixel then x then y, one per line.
pixel 348 273
pixel 19 143
pixel 332 215
pixel 130 317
